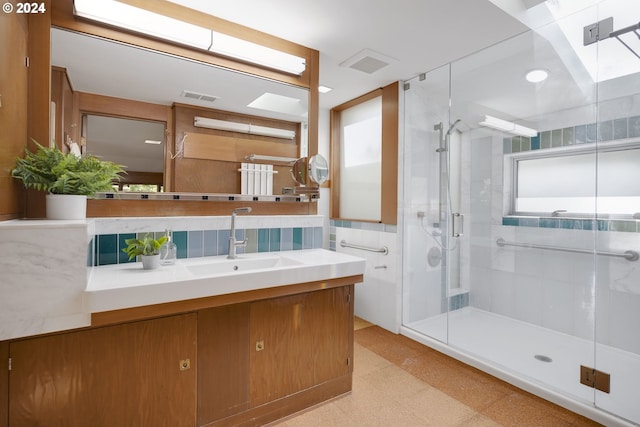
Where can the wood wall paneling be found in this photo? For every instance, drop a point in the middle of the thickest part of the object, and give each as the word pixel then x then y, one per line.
pixel 13 112
pixel 129 374
pixel 389 197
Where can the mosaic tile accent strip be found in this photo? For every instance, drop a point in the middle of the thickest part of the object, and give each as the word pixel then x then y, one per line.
pixel 371 226
pixel 610 130
pixel 631 226
pixel 106 249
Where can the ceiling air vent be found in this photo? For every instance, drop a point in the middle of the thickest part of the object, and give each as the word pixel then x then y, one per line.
pixel 367 61
pixel 199 96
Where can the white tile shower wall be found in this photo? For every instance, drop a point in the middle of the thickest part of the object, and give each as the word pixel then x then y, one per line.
pixel 377 298
pixel 547 288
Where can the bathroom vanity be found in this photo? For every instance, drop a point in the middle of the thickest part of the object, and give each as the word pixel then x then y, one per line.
pixel 205 342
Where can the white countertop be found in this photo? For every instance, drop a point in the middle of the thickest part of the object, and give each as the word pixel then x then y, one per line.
pixel 121 286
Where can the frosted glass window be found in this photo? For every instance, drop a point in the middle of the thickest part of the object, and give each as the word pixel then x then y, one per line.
pixel 572 182
pixel 361 161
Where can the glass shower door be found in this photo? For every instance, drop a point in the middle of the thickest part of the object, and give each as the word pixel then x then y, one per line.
pixel 426 206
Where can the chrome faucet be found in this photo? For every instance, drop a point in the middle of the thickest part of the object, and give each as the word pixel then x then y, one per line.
pixel 233 244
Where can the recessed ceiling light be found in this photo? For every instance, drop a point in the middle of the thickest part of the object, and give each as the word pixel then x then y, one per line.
pixel 537 76
pixel 152 142
pixel 324 89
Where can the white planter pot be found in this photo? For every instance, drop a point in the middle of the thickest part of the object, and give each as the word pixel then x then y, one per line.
pixel 150 262
pixel 66 206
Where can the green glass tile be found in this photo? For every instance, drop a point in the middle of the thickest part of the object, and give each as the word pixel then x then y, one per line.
pixel 515 144
pixel 274 240
pixel 567 136
pixel 629 226
pixel 620 129
pixel 545 139
pixel 556 138
pixel 297 239
pixel 181 241
pixel 107 249
pixel 580 134
pixel 549 223
pixel 535 142
pixel 525 143
pixel 252 240
pixel 263 240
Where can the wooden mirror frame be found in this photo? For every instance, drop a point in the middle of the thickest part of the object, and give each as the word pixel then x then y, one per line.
pixel 59 13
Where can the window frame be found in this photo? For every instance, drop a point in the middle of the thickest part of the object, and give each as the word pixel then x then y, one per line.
pixel 389 164
pixel 510 176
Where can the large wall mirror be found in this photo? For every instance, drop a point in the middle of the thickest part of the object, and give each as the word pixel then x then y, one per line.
pixel 108 68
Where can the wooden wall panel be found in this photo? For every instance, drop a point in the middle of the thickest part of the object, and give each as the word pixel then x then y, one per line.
pixel 120 375
pixel 193 174
pixel 223 360
pixel 389 196
pixel 123 208
pixel 13 113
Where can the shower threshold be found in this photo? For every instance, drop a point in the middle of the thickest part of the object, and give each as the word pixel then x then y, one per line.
pixel 540 360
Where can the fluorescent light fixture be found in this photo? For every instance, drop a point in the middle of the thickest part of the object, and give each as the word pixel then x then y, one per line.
pixel 204 122
pixel 152 142
pixel 506 126
pixel 143 21
pixel 537 76
pixel 324 89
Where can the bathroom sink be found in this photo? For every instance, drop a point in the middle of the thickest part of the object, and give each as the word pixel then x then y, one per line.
pixel 241 264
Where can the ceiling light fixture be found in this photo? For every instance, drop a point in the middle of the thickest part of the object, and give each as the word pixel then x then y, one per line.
pixel 537 76
pixel 506 126
pixel 204 122
pixel 122 15
pixel 324 89
pixel 152 142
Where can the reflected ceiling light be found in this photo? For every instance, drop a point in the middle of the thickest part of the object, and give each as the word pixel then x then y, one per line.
pixel 537 76
pixel 131 18
pixel 324 89
pixel 204 122
pixel 506 126
pixel 152 142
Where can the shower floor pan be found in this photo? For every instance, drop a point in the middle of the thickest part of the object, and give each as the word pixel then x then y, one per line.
pixel 542 361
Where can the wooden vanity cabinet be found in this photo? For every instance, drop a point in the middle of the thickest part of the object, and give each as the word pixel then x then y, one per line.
pixel 261 361
pixel 225 362
pixel 134 374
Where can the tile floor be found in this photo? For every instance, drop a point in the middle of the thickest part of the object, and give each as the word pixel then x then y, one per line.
pixel 401 383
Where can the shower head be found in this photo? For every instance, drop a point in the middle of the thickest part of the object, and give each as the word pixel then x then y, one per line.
pixel 452 127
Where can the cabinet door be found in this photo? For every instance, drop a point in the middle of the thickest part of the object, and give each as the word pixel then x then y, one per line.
pixel 223 362
pixel 135 374
pixel 298 342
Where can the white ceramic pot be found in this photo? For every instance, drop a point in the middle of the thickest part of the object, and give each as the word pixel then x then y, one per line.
pixel 150 262
pixel 66 206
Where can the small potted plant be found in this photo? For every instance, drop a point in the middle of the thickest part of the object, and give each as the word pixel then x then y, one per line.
pixel 67 178
pixel 147 248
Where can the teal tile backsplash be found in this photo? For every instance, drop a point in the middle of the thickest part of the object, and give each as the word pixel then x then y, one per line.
pixel 106 249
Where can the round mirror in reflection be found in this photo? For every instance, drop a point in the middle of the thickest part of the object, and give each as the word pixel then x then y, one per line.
pixel 318 169
pixel 299 171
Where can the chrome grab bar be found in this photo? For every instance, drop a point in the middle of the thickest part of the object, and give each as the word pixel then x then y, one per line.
pixel 383 250
pixel 454 233
pixel 628 255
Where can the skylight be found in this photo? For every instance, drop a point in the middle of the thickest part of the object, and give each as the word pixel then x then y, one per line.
pixel 609 58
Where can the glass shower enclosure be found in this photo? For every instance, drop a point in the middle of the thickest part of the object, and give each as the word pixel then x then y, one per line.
pixel 521 215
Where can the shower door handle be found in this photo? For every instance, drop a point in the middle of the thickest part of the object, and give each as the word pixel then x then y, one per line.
pixel 455 233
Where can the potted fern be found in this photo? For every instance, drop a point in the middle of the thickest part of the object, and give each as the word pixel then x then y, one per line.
pixel 147 248
pixel 67 179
